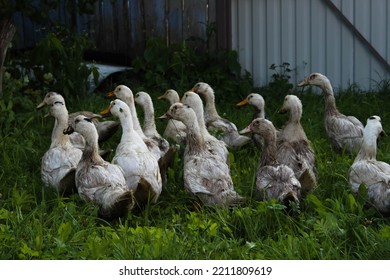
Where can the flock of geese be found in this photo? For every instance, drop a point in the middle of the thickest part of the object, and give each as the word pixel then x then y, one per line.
pixel 137 172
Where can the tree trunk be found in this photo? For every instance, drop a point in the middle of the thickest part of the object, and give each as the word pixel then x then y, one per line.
pixel 7 32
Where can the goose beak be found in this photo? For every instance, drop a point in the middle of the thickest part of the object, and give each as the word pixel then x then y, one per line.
pixel 68 130
pixel 282 110
pixel 383 133
pixel 166 116
pixel 242 103
pixel 41 105
pixel 246 130
pixel 110 94
pixel 161 97
pixel 47 115
pixel 305 82
pixel 106 112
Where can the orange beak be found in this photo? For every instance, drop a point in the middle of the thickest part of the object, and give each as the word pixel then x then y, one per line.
pixel 242 103
pixel 110 94
pixel 106 112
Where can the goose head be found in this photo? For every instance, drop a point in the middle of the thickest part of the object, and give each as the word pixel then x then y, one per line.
pixel 203 89
pixel 122 92
pixel 58 109
pixel 171 95
pixel 50 98
pixel 374 126
pixel 291 103
pixel 253 99
pixel 83 125
pixel 119 109
pixel 193 100
pixel 142 98
pixel 181 112
pixel 260 126
pixel 315 79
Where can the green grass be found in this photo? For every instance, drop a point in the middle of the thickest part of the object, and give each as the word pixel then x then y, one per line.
pixel 330 223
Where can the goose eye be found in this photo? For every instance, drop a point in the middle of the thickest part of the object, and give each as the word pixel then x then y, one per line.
pixel 313 76
pixel 77 121
pixel 121 110
pixel 88 120
pixel 372 118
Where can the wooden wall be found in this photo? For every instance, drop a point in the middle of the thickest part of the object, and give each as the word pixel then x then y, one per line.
pixel 122 27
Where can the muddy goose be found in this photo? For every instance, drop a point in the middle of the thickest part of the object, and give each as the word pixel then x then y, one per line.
pixel 175 130
pixel 139 166
pixel 274 180
pixel 367 170
pixel 105 128
pixel 59 163
pixel 215 123
pixel 206 176
pixel 257 102
pixel 97 180
pixel 344 132
pixel 293 146
pixel 216 146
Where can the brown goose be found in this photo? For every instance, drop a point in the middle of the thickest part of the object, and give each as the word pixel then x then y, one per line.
pixel 175 130
pixel 217 147
pixel 217 124
pixel 97 180
pixel 257 102
pixel 293 147
pixel 274 180
pixel 344 132
pixel 206 176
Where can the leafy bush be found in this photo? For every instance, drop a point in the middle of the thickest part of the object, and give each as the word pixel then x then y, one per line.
pixel 56 64
pixel 180 67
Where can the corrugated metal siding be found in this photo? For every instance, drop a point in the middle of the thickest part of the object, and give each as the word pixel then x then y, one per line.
pixel 312 38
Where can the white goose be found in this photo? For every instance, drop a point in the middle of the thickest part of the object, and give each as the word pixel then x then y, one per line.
pixel 59 163
pixel 293 146
pixel 97 180
pixel 216 147
pixel 344 132
pixel 258 104
pixel 139 166
pixel 367 170
pixel 206 176
pixel 216 123
pixel 274 180
pixel 105 128
pixel 144 100
pixel 175 130
pixel 126 95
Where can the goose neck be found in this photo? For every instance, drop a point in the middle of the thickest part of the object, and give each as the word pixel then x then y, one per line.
pixel 58 137
pixel 149 123
pixel 195 143
pixel 269 153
